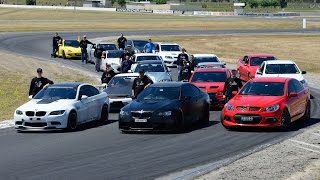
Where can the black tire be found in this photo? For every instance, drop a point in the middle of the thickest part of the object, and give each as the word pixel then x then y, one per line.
pixel 64 55
pixel 104 114
pixel 307 114
pixel 286 120
pixel 72 121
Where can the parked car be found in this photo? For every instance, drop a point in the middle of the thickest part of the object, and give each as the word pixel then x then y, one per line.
pixel 268 102
pixel 145 56
pixel 205 58
pixel 107 46
pixel 62 106
pixel 69 49
pixel 281 68
pixel 112 58
pixel 156 69
pixel 136 46
pixel 248 65
pixel 119 90
pixel 165 106
pixel 168 51
pixel 217 82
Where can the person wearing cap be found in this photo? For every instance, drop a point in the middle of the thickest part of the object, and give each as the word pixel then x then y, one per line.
pixel 108 74
pixel 37 83
pixel 84 53
pixel 98 54
pixel 183 56
pixel 149 47
pixel 140 83
pixel 56 40
pixel 126 64
pixel 122 42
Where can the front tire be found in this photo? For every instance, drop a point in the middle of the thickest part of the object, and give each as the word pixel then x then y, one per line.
pixel 104 114
pixel 286 120
pixel 72 121
pixel 307 113
pixel 64 55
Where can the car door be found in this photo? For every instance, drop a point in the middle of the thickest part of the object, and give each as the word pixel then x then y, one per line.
pixel 95 103
pixel 190 103
pixel 302 96
pixel 82 105
pixel 292 102
pixel 242 67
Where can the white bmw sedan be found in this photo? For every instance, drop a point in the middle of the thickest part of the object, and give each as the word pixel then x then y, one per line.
pixel 62 106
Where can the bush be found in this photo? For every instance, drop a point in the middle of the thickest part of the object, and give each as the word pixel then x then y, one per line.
pixel 161 1
pixel 30 2
pixel 121 2
pixel 254 3
pixel 283 3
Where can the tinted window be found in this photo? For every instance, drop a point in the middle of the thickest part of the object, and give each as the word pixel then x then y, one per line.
pixel 121 81
pixel 256 61
pixel 92 91
pixel 116 54
pixel 72 43
pixel 190 90
pixel 140 43
pixel 150 68
pixel 57 92
pixel 108 47
pixel 88 91
pixel 205 59
pixel 291 87
pixel 170 48
pixel 282 69
pixel 159 93
pixel 263 89
pixel 143 58
pixel 298 86
pixel 209 77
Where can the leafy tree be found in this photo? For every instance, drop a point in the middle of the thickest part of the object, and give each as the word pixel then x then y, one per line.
pixel 161 1
pixel 121 2
pixel 253 3
pixel 283 3
pixel 30 2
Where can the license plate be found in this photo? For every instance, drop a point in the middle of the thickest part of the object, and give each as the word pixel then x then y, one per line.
pixel 246 118
pixel 140 120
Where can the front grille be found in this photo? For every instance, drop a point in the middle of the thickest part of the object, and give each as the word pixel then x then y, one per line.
pixel 241 108
pixel 41 113
pixel 248 108
pixel 254 108
pixel 256 119
pixel 35 124
pixel 138 114
pixel 30 113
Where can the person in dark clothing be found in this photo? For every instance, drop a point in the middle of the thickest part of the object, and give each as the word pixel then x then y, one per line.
pixel 192 62
pixel 37 83
pixel 98 53
pixel 140 83
pixel 108 74
pixel 181 57
pixel 56 40
pixel 126 65
pixel 186 71
pixel 125 53
pixel 84 53
pixel 122 42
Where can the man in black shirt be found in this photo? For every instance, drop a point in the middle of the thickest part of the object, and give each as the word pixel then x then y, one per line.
pixel 56 40
pixel 37 83
pixel 122 42
pixel 98 55
pixel 140 83
pixel 126 64
pixel 108 74
pixel 186 71
pixel 181 57
pixel 84 53
pixel 125 53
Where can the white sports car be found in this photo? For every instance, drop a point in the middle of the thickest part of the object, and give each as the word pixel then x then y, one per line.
pixel 62 106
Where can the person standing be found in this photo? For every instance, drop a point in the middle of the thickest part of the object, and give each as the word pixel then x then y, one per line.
pixel 122 42
pixel 124 54
pixel 149 47
pixel 37 83
pixel 140 83
pixel 126 64
pixel 108 74
pixel 84 53
pixel 183 56
pixel 186 71
pixel 56 40
pixel 98 53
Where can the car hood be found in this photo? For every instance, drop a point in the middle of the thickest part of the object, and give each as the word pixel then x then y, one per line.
pixel 170 53
pixel 152 105
pixel 159 76
pixel 210 86
pixel 47 104
pixel 258 101
pixel 299 77
pixel 113 61
pixel 73 49
pixel 119 92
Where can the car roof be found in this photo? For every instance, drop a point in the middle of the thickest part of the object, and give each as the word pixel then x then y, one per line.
pixel 204 55
pixel 169 84
pixel 211 69
pixel 271 79
pixel 167 43
pixel 150 62
pixel 260 55
pixel 127 75
pixel 146 54
pixel 67 84
pixel 280 62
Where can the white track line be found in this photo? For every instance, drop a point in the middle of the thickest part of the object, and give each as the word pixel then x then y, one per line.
pixel 308 149
pixel 317 134
pixel 304 143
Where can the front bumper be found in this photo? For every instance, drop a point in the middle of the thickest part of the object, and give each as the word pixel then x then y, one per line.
pixel 118 103
pixel 73 55
pixel 170 62
pixel 251 119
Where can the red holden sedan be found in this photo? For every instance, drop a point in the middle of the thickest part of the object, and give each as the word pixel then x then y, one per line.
pixel 248 65
pixel 217 82
pixel 267 102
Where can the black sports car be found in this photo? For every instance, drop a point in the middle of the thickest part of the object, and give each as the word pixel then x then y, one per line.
pixel 165 106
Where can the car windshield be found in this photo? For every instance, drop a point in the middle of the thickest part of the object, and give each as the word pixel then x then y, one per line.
pixel 209 77
pixel 205 59
pixel 170 48
pixel 150 68
pixel 257 61
pixel 116 54
pixel 159 93
pixel 107 47
pixel 140 44
pixel 72 43
pixel 282 69
pixel 263 89
pixel 57 93
pixel 143 58
pixel 121 81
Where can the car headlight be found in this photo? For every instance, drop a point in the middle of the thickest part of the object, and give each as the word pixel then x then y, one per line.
pixel 124 113
pixel 229 107
pixel 18 112
pixel 69 51
pixel 168 57
pixel 54 113
pixel 272 108
pixel 165 113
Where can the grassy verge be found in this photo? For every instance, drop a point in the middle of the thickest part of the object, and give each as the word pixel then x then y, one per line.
pixel 59 20
pixel 16 74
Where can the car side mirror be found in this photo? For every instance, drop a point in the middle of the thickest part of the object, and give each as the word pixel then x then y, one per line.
pixel 304 72
pixel 30 97
pixel 224 63
pixel 293 94
pixel 169 70
pixel 84 97
pixel 259 72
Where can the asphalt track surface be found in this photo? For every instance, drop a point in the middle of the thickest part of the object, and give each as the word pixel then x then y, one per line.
pixel 102 152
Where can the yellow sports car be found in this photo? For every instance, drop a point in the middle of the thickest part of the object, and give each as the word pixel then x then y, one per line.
pixel 69 49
